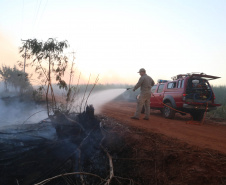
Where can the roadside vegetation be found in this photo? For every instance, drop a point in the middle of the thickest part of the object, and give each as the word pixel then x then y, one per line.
pixel 15 80
pixel 220 94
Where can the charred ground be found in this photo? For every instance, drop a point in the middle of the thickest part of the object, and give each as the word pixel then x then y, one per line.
pixel 138 157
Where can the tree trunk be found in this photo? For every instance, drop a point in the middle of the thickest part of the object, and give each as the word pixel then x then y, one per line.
pixel 47 100
pixel 50 86
pixel 6 86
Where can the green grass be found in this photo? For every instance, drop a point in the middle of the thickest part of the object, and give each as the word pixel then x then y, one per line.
pixel 220 94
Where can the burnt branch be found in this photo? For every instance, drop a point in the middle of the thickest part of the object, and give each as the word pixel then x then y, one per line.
pixel 68 174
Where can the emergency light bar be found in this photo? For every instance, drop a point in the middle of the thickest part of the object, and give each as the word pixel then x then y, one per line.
pixel 162 81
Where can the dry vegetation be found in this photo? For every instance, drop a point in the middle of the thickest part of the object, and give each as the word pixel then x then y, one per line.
pixel 220 113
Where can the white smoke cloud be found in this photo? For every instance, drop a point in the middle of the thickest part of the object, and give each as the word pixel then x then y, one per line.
pixel 16 112
pixel 98 99
pixel 13 111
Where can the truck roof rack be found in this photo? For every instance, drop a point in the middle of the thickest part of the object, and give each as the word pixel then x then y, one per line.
pixel 180 76
pixel 195 74
pixel 207 77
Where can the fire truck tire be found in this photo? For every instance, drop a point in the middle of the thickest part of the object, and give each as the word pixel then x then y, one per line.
pixel 168 112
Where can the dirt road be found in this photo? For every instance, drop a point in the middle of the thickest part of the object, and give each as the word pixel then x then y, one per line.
pixel 210 135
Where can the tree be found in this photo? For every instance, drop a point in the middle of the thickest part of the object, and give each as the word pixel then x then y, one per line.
pixel 48 53
pixel 15 78
pixel 4 73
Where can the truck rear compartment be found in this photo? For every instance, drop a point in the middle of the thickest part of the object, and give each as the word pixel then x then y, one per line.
pixel 198 91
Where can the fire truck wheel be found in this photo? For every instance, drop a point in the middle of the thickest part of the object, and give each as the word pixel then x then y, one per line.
pixel 168 112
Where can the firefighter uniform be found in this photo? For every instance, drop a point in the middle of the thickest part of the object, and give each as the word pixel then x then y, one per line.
pixel 145 83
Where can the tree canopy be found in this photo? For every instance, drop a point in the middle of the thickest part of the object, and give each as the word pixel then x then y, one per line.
pixel 15 78
pixel 49 60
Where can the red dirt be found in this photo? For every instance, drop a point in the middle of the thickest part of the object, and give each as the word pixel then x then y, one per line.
pixel 210 135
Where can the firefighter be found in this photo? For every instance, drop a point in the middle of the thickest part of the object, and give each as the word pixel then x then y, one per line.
pixel 145 83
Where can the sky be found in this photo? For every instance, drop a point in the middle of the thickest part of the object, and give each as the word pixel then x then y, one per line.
pixel 117 38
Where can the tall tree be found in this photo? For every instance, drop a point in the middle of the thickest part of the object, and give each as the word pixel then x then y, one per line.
pixel 48 59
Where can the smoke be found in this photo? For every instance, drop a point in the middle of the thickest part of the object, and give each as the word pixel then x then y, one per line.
pixel 13 111
pixel 98 99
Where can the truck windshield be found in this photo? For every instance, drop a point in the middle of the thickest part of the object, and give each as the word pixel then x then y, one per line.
pixel 153 88
pixel 160 89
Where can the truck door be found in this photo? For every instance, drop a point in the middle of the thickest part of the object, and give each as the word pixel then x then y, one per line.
pixel 157 97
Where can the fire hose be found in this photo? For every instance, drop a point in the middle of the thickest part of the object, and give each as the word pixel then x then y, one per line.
pixel 184 112
pixel 179 110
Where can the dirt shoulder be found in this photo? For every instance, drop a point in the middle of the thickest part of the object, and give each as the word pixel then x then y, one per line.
pixel 210 135
pixel 145 158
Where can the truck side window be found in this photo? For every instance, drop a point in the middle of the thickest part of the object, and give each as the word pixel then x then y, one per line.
pixel 182 84
pixel 179 84
pixel 171 85
pixel 153 88
pixel 160 89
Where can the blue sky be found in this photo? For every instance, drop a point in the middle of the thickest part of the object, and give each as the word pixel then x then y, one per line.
pixel 116 38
